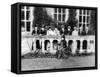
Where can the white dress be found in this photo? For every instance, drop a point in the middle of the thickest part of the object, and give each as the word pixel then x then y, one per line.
pixel 74 44
pixel 56 32
pixel 50 32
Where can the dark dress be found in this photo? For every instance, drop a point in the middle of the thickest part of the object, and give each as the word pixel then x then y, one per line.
pixel 35 32
pixel 63 32
pixel 64 51
pixel 43 32
pixel 68 32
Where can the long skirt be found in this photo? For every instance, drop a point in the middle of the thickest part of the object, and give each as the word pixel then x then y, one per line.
pixel 74 47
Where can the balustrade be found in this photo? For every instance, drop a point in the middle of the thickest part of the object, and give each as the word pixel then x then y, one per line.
pixel 74 39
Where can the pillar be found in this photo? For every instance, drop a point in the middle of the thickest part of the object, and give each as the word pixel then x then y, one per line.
pixel 74 46
pixel 88 46
pixel 81 46
pixel 34 44
pixel 59 43
pixel 42 45
pixel 40 41
pixel 51 45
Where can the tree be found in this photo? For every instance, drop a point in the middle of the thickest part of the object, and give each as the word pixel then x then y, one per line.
pixel 92 26
pixel 41 17
pixel 72 21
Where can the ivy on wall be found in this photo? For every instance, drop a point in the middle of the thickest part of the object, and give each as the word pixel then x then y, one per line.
pixel 41 17
pixel 92 26
pixel 72 21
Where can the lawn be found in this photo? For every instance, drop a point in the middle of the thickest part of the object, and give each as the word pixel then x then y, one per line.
pixel 54 63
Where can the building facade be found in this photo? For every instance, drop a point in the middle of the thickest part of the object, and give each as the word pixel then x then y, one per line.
pixel 59 15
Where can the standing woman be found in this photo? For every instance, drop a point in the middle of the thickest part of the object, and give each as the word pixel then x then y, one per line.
pixel 64 50
pixel 74 44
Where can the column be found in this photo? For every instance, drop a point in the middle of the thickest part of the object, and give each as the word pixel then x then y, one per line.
pixel 51 45
pixel 40 41
pixel 74 46
pixel 88 46
pixel 81 46
pixel 42 45
pixel 59 43
pixel 34 46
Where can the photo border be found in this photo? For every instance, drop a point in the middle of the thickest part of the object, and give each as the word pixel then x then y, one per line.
pixel 19 71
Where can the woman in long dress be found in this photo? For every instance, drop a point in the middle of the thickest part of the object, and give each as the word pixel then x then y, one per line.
pixel 74 44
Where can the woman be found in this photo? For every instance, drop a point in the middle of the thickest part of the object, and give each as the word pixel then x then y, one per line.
pixel 63 51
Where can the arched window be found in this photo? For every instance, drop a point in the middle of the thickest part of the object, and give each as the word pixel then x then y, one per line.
pixel 85 44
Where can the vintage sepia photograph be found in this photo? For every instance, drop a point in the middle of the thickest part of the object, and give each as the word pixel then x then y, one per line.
pixel 57 37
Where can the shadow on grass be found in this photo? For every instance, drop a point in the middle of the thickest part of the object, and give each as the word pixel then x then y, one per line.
pixel 49 55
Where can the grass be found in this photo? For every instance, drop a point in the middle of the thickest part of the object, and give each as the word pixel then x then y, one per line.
pixel 54 63
pixel 49 55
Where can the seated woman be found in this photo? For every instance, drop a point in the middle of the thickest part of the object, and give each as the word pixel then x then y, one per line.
pixel 50 31
pixel 56 31
pixel 75 32
pixel 63 50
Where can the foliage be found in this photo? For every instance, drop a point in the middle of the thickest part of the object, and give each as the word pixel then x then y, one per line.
pixel 92 26
pixel 72 21
pixel 41 17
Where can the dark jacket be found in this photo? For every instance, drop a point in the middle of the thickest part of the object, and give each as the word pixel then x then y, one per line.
pixel 62 32
pixel 43 32
pixel 63 43
pixel 69 32
pixel 35 32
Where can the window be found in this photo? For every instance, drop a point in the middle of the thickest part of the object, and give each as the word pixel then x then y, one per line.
pixel 88 19
pixel 84 18
pixel 59 17
pixel 22 15
pixel 63 10
pixel 80 12
pixel 25 18
pixel 84 27
pixel 55 10
pixel 63 17
pixel 59 10
pixel 59 14
pixel 87 12
pixel 80 25
pixel 22 24
pixel 80 18
pixel 27 15
pixel 84 11
pixel 55 16
pixel 28 26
